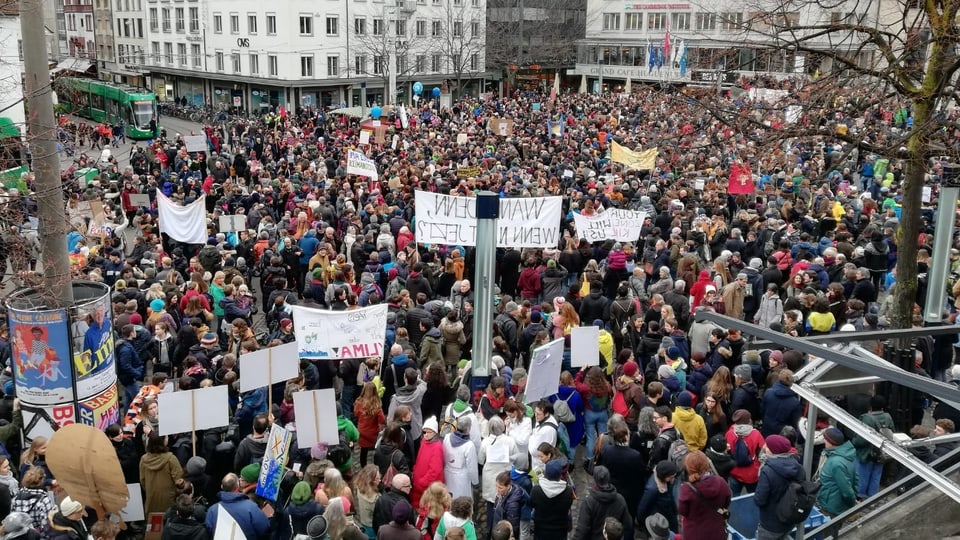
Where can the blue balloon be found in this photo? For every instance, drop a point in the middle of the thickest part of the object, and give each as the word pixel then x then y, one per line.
pixel 376 113
pixel 418 88
pixel 436 91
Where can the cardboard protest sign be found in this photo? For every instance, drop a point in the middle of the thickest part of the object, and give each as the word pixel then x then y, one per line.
pixel 86 466
pixel 140 200
pixel 364 137
pixel 585 346
pixel 316 413
pixel 274 462
pixel 544 378
pixel 336 335
pixel 612 224
pixel 523 222
pixel 227 528
pixel 232 223
pixel 133 511
pixel 268 366
pixel 204 408
pixel 195 143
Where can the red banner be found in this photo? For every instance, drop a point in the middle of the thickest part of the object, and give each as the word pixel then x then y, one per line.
pixel 741 180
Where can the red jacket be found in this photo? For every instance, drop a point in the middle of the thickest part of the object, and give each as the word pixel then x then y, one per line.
pixel 529 282
pixel 747 475
pixel 368 426
pixel 428 468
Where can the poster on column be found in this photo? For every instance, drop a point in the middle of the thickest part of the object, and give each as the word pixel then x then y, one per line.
pixel 40 354
pixel 544 378
pixel 100 411
pixel 612 224
pixel 93 362
pixel 524 221
pixel 43 421
pixel 337 335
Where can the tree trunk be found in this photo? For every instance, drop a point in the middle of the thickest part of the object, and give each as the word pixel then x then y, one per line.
pixel 905 296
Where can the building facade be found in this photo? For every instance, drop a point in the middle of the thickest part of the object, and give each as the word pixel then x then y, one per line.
pixel 11 69
pixel 249 55
pixel 706 42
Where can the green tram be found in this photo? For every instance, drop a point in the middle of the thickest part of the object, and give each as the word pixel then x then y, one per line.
pixel 107 102
pixel 13 163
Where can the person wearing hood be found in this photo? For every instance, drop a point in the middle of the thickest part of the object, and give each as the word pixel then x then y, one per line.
pixel 690 424
pixel 459 515
pixel 428 467
pixel 250 518
pixel 159 473
pixel 551 500
pixel 460 460
pixel 411 395
pixel 252 448
pixel 461 409
pixel 595 306
pixel 300 508
pixel 744 476
pixel 552 279
pixel 418 283
pixel 451 329
pixel 779 469
pixel 392 377
pixel 838 474
pixel 66 522
pixel 699 289
pixel 629 386
pixel 18 526
pixel 701 499
pixel 498 454
pixel 603 502
pixel 781 406
pixel 368 288
pixel 745 391
pixel 251 404
pixel 431 349
pixel 184 525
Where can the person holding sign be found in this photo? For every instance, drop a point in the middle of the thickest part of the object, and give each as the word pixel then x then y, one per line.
pixel 246 513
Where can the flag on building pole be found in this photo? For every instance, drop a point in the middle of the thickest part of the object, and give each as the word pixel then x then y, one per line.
pixel 666 43
pixel 683 58
pixel 651 56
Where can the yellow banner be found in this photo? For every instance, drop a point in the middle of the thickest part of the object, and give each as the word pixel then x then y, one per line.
pixel 468 172
pixel 645 160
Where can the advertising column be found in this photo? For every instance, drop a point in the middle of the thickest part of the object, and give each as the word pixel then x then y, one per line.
pixel 93 363
pixel 40 354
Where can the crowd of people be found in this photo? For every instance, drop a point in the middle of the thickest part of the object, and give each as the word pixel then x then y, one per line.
pixel 679 417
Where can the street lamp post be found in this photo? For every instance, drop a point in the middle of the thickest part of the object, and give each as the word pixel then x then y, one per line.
pixel 600 71
pixel 939 267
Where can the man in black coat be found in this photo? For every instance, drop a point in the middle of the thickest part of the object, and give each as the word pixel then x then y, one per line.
pixel 417 314
pixel 398 491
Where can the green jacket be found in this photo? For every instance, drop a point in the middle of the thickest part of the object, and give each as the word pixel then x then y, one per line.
pixel 872 419
pixel 839 479
pixel 352 434
pixel 11 430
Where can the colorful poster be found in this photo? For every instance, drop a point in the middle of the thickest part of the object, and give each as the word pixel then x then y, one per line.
pixel 100 411
pixel 43 421
pixel 93 359
pixel 335 335
pixel 41 357
pixel 274 462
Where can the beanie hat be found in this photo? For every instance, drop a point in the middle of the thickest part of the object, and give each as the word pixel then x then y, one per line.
pixel 401 511
pixel 673 352
pixel 431 424
pixel 551 263
pixel 718 443
pixel 666 343
pixel 685 400
pixel 17 524
pixel 601 475
pixel 535 317
pixel 136 319
pixel 658 527
pixel 742 416
pixel 301 493
pixel 68 507
pixel 778 444
pixel 666 371
pixel 666 468
pixel 630 369
pixel 319 451
pixel 553 470
pixel 250 473
pixel 598 323
pixel 196 465
pixel 157 305
pixel 756 263
pixel 743 371
pixel 834 436
pixel 776 355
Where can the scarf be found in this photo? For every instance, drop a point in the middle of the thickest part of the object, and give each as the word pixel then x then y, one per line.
pixel 11 482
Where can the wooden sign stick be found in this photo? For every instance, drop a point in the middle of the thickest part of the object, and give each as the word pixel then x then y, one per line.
pixel 193 421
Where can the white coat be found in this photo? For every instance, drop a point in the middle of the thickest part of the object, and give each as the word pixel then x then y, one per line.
pixel 459 466
pixel 474 423
pixel 520 433
pixel 545 432
pixel 498 453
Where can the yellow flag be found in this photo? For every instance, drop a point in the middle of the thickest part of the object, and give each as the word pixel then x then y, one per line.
pixel 645 160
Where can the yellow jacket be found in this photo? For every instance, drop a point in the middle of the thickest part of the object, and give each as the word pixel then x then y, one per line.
pixel 691 427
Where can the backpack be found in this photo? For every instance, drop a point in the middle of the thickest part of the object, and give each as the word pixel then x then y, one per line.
pixel 563 437
pixel 741 454
pixel 340 453
pixel 449 423
pixel 797 502
pixel 678 452
pixel 561 410
pixel 876 454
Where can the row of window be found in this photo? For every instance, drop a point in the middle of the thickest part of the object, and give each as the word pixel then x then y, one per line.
pixel 708 21
pixel 195 59
pixel 179 19
pixel 130 28
pixel 399 3
pixel 79 21
pixel 332 26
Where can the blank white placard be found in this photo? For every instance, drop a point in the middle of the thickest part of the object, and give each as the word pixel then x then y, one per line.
pixel 190 410
pixel 316 413
pixel 544 377
pixel 268 366
pixel 585 346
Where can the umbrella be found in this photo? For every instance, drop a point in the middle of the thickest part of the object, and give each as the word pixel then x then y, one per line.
pixel 628 87
pixel 353 112
pixel 583 84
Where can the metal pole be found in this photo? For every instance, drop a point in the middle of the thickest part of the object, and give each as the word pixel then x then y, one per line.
pixel 42 131
pixel 488 210
pixel 808 445
pixel 940 266
pixel 600 71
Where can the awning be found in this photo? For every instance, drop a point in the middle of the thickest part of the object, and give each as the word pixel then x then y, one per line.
pixel 77 65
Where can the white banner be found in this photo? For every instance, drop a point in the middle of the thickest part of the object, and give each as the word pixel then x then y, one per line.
pixel 612 224
pixel 523 222
pixel 361 165
pixel 333 335
pixel 183 223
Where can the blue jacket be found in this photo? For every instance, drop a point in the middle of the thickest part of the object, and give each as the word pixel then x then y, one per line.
pixel 254 402
pixel 232 311
pixel 576 428
pixel 129 365
pixel 775 475
pixel 308 245
pixel 781 407
pixel 246 513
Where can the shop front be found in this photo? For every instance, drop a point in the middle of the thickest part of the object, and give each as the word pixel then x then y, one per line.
pixel 163 88
pixel 192 90
pixel 263 98
pixel 228 98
